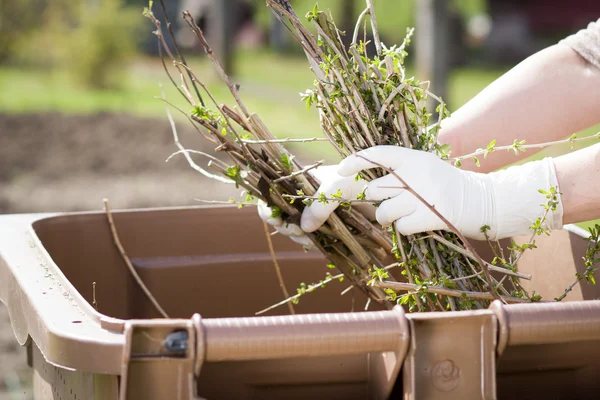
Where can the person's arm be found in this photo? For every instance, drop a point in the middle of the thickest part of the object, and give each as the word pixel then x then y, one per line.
pixel 578 176
pixel 547 97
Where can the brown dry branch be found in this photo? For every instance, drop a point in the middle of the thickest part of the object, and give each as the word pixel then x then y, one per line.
pixel 130 267
pixel 268 165
pixel 94 302
pixel 363 101
pixel 408 287
pixel 284 290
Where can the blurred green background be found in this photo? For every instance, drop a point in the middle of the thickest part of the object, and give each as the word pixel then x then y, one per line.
pixel 84 57
pixel 80 121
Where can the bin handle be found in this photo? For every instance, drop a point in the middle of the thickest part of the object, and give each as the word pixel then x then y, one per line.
pixel 310 335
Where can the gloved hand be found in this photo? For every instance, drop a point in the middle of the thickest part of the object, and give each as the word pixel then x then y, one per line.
pixel 292 230
pixel 317 213
pixel 507 201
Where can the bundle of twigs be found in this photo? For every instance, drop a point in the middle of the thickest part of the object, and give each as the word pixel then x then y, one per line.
pixel 363 101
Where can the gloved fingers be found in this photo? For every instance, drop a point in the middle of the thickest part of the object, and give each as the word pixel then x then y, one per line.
pixel 392 157
pixel 395 208
pixel 421 220
pixel 384 188
pixel 289 230
pixel 317 213
pixel 304 241
pixel 264 212
pixel 324 173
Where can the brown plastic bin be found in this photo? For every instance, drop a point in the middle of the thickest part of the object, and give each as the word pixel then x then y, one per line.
pixel 211 270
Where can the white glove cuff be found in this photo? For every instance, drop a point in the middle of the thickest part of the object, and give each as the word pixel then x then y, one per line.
pixel 518 202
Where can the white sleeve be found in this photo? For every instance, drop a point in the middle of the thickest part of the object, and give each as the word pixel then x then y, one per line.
pixel 586 43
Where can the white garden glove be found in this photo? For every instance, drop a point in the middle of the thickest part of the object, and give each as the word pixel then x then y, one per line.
pixel 292 230
pixel 317 213
pixel 507 201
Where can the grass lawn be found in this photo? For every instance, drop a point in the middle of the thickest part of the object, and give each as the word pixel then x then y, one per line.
pixel 269 86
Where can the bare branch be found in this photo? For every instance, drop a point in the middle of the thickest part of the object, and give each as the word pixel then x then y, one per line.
pixel 127 261
pixel 277 269
pixel 300 172
pixel 185 152
pixel 444 291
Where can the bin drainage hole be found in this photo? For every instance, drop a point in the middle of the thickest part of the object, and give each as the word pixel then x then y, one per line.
pixel 445 375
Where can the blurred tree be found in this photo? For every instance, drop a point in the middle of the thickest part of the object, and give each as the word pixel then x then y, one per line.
pixel 92 40
pixel 103 42
pixel 18 19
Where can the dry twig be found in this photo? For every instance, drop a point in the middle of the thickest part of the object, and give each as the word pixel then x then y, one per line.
pixel 277 269
pixel 125 257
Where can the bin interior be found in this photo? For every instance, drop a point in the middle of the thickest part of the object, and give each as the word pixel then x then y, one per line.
pixel 211 261
pixel 215 261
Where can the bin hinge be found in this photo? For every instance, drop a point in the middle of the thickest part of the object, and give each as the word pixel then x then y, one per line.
pixel 161 358
pixel 451 356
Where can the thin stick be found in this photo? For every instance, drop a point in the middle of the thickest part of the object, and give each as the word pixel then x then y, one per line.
pixel 357 26
pixel 94 302
pixel 196 152
pixel 207 137
pixel 186 152
pixel 209 52
pixel 309 289
pixel 400 286
pixel 300 172
pixel 349 288
pixel 240 203
pixel 127 261
pixel 277 269
pixel 568 290
pixel 286 140
pixel 291 196
pixel 464 252
pixel 406 267
pixel 479 152
pixel 374 27
pixel 179 53
pixel 387 101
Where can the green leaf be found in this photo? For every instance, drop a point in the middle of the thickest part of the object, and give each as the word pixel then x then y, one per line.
pixel 443 150
pixel 322 198
pixel 275 212
pixel 517 146
pixel 286 161
pixel 337 195
pixel 476 161
pixel 313 14
pixel 490 148
pixel 331 266
pixel 233 172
